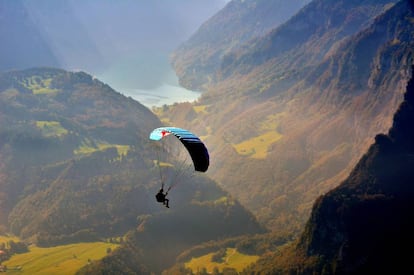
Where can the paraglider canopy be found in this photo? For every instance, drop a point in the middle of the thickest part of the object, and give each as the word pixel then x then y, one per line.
pixel 192 143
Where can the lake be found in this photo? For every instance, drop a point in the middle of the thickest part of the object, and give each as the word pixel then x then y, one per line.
pixel 148 78
pixel 165 94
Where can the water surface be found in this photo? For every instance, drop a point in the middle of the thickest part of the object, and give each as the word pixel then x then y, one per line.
pixel 148 78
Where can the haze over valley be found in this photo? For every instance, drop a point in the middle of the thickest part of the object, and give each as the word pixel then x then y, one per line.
pixel 126 44
pixel 299 111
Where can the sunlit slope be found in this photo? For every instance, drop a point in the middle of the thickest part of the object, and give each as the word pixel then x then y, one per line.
pixel 368 216
pixel 325 108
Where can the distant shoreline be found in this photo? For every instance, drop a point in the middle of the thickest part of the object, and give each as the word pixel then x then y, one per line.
pixel 165 94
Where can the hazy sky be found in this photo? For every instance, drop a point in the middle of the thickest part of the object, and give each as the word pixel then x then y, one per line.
pixel 125 43
pixel 90 33
pixel 113 28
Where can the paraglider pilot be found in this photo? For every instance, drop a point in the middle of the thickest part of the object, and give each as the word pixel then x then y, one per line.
pixel 161 197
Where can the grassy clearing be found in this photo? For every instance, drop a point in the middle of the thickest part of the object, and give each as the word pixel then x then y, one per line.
pixel 162 164
pixel 51 128
pixel 232 259
pixel 200 109
pixel 6 238
pixel 224 200
pixel 39 85
pixel 257 147
pixel 88 148
pixel 122 149
pixel 64 259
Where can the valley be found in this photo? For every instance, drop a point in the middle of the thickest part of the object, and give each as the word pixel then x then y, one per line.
pixel 305 108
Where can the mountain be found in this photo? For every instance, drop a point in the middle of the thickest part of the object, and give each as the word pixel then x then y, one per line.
pixel 76 164
pixel 291 114
pixel 229 29
pixel 50 120
pixel 307 36
pixel 364 225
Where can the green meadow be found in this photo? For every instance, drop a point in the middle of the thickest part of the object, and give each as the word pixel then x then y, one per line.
pixel 51 128
pixel 201 109
pixel 232 259
pixel 89 148
pixel 64 259
pixel 7 238
pixel 257 147
pixel 39 85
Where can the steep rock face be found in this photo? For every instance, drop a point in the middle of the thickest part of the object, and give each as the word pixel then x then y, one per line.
pixel 365 224
pixel 196 60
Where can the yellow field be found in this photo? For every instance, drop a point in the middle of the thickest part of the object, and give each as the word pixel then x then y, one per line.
pixel 39 85
pixel 233 259
pixel 64 259
pixel 268 134
pixel 222 201
pixel 89 149
pixel 257 147
pixel 51 128
pixel 200 109
pixel 5 239
pixel 122 149
pixel 162 164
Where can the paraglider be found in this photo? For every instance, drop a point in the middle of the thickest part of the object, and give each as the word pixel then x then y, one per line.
pixel 161 197
pixel 194 146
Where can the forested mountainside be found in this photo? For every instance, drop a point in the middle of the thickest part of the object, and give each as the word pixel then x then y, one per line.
pixel 50 118
pixel 76 164
pixel 286 128
pixel 237 23
pixel 364 226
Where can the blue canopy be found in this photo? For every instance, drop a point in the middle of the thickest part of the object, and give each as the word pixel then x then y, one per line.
pixel 192 143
